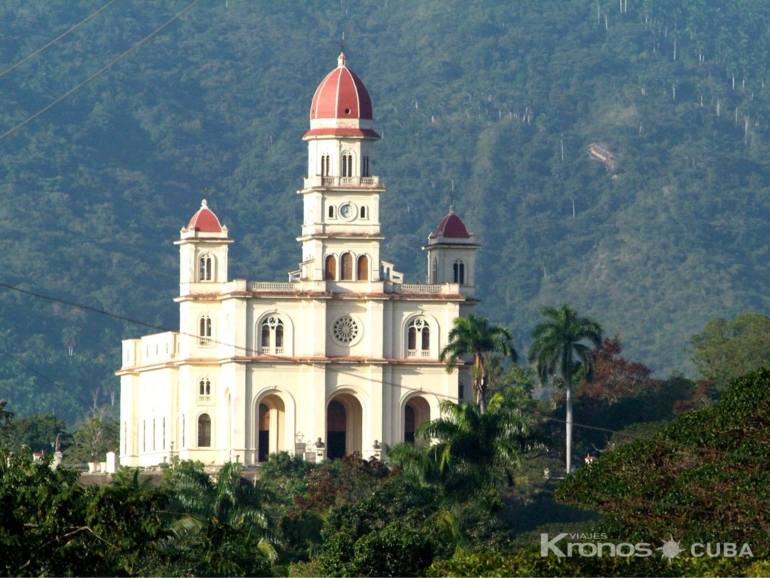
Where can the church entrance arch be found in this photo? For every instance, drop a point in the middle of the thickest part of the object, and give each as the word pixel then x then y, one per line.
pixel 344 426
pixel 416 413
pixel 271 424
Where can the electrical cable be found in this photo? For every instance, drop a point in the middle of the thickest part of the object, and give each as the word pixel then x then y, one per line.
pixel 55 40
pixel 134 48
pixel 45 377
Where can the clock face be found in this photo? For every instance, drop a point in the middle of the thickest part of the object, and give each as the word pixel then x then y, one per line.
pixel 346 211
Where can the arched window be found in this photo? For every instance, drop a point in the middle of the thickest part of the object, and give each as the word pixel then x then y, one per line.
pixel 331 212
pixel 204 431
pixel 204 330
pixel 418 339
pixel 434 271
pixel 363 268
pixel 330 270
pixel 459 272
pixel 272 333
pixel 347 165
pixel 365 167
pixel 184 431
pixel 204 268
pixel 363 212
pixel 265 342
pixel 347 267
pixel 204 389
pixel 325 165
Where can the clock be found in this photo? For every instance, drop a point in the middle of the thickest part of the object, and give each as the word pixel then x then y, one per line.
pixel 347 211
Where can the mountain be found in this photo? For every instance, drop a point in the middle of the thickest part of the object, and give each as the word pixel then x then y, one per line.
pixel 608 154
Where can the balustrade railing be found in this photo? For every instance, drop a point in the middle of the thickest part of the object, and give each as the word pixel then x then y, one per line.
pixel 271 286
pixel 418 288
pixel 342 181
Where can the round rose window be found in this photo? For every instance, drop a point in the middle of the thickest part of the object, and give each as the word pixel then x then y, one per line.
pixel 346 330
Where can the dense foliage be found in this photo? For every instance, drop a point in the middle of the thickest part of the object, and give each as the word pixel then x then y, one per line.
pixel 726 349
pixel 664 234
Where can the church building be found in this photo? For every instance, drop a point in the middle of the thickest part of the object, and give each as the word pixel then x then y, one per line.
pixel 342 358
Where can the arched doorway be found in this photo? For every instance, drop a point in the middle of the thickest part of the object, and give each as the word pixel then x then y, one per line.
pixel 416 413
pixel 344 426
pixel 271 422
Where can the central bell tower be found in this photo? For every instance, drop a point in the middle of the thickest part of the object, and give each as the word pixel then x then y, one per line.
pixel 341 225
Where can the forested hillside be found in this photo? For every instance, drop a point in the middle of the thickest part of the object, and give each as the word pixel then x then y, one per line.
pixel 611 154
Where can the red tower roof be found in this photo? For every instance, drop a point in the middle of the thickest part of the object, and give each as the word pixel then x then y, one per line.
pixel 205 220
pixel 452 227
pixel 341 95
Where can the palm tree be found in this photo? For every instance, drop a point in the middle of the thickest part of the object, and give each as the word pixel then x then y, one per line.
pixel 560 348
pixel 471 450
pixel 474 336
pixel 223 529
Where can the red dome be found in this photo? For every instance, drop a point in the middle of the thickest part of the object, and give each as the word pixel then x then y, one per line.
pixel 341 95
pixel 452 227
pixel 205 220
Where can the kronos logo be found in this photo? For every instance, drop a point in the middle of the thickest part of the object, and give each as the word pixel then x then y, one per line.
pixel 670 548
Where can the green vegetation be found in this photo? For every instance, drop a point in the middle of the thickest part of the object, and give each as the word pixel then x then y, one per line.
pixel 559 349
pixel 471 450
pixel 666 233
pixel 726 349
pixel 474 336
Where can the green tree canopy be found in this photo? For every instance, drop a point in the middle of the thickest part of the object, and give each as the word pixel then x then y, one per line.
pixel 726 349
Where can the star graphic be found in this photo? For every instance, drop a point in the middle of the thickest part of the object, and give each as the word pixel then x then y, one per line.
pixel 671 548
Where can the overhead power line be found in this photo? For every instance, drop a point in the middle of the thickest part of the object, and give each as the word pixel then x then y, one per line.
pixel 102 70
pixel 55 40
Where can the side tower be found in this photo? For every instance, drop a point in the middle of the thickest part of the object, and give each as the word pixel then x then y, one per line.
pixel 341 226
pixel 203 248
pixel 452 254
pixel 202 253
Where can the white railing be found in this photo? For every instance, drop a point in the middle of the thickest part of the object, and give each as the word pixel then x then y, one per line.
pixel 342 182
pixel 418 288
pixel 204 398
pixel 418 353
pixel 269 351
pixel 271 286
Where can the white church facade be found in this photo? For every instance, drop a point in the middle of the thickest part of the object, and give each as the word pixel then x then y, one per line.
pixel 342 358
